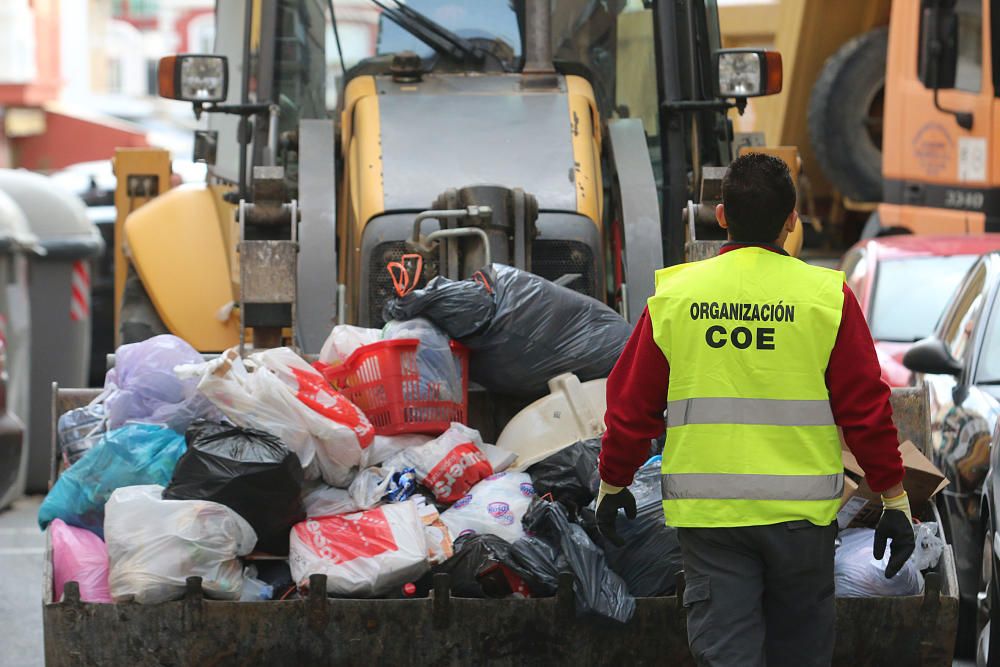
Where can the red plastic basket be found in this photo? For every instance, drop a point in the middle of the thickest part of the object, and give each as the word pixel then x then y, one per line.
pixel 382 379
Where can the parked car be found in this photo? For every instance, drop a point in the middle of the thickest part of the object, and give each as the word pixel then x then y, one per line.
pixel 960 364
pixel 989 579
pixel 903 284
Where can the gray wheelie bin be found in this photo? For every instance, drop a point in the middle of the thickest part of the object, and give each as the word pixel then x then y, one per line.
pixel 15 340
pixel 444 629
pixel 59 291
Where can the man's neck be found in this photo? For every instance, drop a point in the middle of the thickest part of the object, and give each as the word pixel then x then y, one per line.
pixel 735 245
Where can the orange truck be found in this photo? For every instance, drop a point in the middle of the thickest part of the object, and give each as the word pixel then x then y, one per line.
pixel 940 175
pixel 891 102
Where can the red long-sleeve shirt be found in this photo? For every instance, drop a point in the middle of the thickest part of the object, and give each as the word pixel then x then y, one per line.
pixel 859 399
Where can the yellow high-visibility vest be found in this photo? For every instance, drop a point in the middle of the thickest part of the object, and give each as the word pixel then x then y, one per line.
pixel 750 434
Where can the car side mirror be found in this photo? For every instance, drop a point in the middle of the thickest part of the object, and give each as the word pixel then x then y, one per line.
pixel 931 356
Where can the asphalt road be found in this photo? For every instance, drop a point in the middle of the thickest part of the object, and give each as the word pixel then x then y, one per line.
pixel 22 548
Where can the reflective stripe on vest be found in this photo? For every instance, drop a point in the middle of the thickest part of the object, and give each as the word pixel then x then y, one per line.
pixel 748 411
pixel 751 438
pixel 752 487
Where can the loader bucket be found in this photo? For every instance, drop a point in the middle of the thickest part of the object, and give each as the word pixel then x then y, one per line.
pixel 447 630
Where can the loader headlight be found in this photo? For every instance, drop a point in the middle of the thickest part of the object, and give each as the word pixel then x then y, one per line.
pixel 747 72
pixel 194 78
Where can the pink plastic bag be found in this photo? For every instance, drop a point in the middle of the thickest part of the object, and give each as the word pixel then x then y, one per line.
pixel 79 555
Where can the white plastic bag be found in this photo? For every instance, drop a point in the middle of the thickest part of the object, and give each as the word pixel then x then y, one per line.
pixel 495 506
pixel 385 447
pixel 370 486
pixel 858 574
pixel 448 465
pixel 344 340
pixel 363 554
pixel 325 430
pixel 326 500
pixel 154 545
pixel 929 546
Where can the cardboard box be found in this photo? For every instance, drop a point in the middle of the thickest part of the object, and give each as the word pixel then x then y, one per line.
pixel 860 506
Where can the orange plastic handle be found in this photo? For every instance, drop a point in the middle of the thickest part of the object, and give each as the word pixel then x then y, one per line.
pixel 400 275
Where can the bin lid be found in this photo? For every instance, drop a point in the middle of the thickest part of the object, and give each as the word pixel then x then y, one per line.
pixel 14 230
pixel 573 411
pixel 57 217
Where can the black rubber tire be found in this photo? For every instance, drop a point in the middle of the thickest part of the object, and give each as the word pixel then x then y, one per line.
pixel 139 319
pixel 851 80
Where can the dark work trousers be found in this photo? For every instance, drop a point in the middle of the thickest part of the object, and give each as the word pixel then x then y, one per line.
pixel 760 595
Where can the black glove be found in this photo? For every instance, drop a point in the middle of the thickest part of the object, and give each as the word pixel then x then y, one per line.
pixel 607 512
pixel 896 527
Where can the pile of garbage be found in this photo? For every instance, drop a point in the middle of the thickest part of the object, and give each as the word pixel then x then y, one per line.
pixel 256 472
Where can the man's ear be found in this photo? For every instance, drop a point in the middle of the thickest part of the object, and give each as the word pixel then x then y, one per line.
pixel 790 221
pixel 720 216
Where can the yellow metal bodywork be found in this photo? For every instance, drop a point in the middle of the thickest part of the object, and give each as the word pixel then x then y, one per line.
pixel 361 192
pixel 585 128
pixel 137 162
pixel 806 32
pixel 225 215
pixel 182 257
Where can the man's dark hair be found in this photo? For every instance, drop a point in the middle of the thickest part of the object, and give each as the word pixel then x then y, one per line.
pixel 757 194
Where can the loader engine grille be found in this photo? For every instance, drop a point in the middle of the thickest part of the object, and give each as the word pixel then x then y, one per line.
pixel 380 287
pixel 552 259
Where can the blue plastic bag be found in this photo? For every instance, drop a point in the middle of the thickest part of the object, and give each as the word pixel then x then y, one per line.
pixel 131 455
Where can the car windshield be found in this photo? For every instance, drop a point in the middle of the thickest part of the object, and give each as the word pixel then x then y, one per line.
pixel 911 293
pixel 988 370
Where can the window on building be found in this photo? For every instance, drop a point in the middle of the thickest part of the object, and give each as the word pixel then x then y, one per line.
pixel 135 8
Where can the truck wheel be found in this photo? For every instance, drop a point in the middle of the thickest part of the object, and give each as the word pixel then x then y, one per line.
pixel 845 116
pixel 139 319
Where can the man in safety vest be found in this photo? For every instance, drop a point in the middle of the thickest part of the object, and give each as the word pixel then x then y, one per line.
pixel 757 359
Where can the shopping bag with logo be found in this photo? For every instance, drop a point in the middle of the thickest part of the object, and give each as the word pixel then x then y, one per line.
pixel 449 465
pixel 254 396
pixel 364 554
pixel 495 506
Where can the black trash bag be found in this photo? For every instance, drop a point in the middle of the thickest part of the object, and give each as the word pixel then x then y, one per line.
pixel 535 331
pixel 461 308
pixel 569 474
pixel 598 589
pixel 249 471
pixel 476 569
pixel 542 560
pixel 278 576
pixel 651 556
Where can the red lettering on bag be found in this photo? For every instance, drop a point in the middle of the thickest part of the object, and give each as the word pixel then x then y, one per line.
pixel 346 537
pixel 317 393
pixel 457 472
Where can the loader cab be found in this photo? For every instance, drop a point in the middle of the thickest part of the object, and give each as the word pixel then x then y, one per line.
pixel 940 168
pixel 451 120
pixel 497 129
